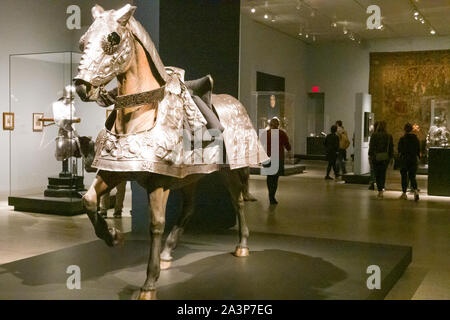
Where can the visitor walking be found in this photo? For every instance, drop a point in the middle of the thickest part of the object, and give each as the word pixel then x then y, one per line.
pixel 332 148
pixel 283 143
pixel 381 152
pixel 409 154
pixel 344 143
pixel 372 171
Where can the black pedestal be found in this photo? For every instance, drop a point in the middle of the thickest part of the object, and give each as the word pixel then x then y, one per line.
pixel 289 169
pixel 315 146
pixel 439 172
pixel 64 186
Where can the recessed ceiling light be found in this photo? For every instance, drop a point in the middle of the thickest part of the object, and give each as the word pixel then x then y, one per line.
pixel 306 36
pixel 432 31
pixel 416 13
pixel 334 25
pixel 266 16
pixel 253 10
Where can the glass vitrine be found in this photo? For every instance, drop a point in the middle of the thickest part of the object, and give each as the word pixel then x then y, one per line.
pixel 37 83
pixel 269 104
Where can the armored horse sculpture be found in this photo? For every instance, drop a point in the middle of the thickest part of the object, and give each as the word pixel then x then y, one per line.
pixel 149 136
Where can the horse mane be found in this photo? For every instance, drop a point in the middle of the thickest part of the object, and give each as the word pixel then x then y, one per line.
pixel 153 57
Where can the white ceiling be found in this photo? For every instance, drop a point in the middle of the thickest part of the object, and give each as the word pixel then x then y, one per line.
pixel 397 17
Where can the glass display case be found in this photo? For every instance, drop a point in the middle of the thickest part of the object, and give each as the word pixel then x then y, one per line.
pixel 439 133
pixel 269 104
pixel 46 167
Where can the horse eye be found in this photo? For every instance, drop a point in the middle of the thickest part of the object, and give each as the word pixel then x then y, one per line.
pixel 114 39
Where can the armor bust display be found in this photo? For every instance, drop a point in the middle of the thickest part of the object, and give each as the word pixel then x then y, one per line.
pixel 67 144
pixel 439 135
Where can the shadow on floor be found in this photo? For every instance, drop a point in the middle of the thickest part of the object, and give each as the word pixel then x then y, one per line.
pixel 267 274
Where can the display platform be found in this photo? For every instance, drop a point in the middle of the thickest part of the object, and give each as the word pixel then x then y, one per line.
pixel 439 172
pixel 289 169
pixel 279 267
pixel 352 178
pixel 422 169
pixel 51 205
pixel 311 157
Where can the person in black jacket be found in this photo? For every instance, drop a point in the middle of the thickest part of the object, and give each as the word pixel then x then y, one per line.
pixel 332 148
pixel 409 154
pixel 381 152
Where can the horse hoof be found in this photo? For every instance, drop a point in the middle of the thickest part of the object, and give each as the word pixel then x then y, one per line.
pixel 241 252
pixel 117 237
pixel 147 295
pixel 165 264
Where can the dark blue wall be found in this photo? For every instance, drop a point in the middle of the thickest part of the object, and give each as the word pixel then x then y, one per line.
pixel 202 37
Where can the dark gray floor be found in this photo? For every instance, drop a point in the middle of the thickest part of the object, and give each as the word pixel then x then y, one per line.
pixel 279 267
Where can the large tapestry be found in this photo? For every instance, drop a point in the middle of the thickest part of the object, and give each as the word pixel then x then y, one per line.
pixel 405 85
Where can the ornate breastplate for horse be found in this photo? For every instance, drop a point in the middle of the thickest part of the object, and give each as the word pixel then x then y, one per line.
pixel 162 149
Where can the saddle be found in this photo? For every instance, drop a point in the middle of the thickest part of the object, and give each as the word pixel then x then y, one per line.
pixel 201 93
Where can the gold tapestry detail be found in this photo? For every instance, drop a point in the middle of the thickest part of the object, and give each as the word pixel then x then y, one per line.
pixel 403 84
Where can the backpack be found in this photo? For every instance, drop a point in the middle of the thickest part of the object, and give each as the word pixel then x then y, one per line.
pixel 344 141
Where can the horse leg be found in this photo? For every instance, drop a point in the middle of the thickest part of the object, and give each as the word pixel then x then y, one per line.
pixel 177 230
pixel 157 206
pixel 236 189
pixel 245 176
pixel 102 184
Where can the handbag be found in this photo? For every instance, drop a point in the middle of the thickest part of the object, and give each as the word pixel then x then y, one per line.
pixel 383 156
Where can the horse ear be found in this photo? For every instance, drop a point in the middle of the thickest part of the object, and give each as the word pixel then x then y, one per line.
pixel 97 11
pixel 124 14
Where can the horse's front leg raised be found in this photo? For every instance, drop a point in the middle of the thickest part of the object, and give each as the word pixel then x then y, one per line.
pixel 102 184
pixel 174 236
pixel 157 207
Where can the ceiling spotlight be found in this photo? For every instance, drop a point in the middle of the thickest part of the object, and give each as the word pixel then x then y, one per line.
pixel 416 13
pixel 306 36
pixel 266 16
pixel 274 19
pixel 253 10
pixel 300 33
pixel 416 18
pixel 345 31
pixel 334 25
pixel 433 32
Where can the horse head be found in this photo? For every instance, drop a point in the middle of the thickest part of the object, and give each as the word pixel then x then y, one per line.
pixel 108 49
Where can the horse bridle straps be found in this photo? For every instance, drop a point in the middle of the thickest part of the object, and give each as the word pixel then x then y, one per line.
pixel 139 99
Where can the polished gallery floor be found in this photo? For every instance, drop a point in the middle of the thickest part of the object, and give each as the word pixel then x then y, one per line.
pixel 309 207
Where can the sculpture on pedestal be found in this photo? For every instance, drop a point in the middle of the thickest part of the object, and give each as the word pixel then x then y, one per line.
pixel 439 135
pixel 147 138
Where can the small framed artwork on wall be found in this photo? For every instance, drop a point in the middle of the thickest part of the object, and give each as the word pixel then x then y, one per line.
pixel 38 124
pixel 8 121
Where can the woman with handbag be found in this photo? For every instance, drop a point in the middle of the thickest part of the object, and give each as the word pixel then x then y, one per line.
pixel 381 152
pixel 409 154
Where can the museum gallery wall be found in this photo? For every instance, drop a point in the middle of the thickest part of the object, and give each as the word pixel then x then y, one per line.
pixel 403 85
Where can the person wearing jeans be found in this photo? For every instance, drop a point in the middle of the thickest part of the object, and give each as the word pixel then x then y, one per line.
pixel 409 153
pixel 381 152
pixel 332 148
pixel 283 143
pixel 344 143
